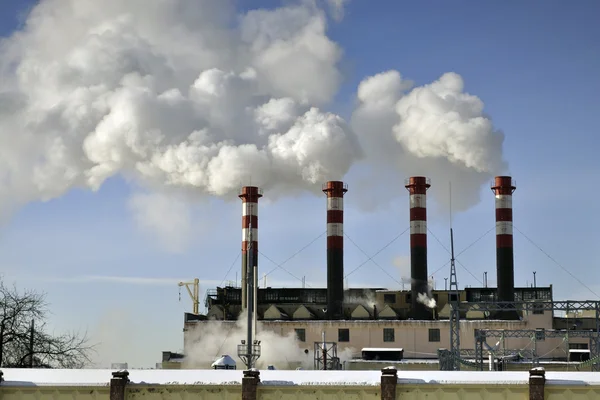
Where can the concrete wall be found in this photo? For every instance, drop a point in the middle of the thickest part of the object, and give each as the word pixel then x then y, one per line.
pixel 254 385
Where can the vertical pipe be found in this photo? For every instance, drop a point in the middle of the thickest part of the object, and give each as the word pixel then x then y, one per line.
pixel 249 196
pixel 503 188
pixel 250 293
pixel 335 191
pixel 417 187
pixel 196 296
pixel 324 349
pixel 255 305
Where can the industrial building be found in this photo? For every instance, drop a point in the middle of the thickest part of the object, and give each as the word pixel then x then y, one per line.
pixel 426 324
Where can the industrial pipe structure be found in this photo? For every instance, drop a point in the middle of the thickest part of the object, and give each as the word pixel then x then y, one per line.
pixel 335 191
pixel 417 188
pixel 249 196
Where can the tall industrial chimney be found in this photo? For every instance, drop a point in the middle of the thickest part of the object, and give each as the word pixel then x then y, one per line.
pixel 417 188
pixel 249 196
pixel 335 191
pixel 503 188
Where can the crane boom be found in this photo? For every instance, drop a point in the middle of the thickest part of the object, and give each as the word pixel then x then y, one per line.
pixel 194 293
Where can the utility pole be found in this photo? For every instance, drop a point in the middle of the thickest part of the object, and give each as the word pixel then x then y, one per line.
pixel 446 284
pixel 485 279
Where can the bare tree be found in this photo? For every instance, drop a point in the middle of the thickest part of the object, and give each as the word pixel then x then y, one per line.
pixel 24 342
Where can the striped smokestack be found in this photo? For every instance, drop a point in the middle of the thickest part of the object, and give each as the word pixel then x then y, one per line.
pixel 417 188
pixel 503 188
pixel 249 196
pixel 335 191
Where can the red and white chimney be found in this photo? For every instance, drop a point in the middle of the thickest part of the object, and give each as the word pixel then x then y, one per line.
pixel 335 191
pixel 503 188
pixel 417 188
pixel 249 196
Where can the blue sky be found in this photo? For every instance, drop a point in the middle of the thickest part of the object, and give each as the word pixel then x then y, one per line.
pixel 535 66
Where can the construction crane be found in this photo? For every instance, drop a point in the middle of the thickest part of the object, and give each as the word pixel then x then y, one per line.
pixel 194 293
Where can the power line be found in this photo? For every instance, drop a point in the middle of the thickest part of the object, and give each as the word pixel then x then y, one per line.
pixel 449 252
pixel 293 255
pixel 230 268
pixel 477 240
pixel 281 267
pixel 556 262
pixel 438 240
pixel 379 251
pixel 470 273
pixel 371 259
pixel 463 250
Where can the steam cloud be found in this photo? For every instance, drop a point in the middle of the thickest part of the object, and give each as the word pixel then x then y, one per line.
pixel 436 130
pixel 426 298
pixel 191 96
pixel 212 339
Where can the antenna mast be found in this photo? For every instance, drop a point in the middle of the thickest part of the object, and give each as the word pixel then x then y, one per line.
pixel 454 302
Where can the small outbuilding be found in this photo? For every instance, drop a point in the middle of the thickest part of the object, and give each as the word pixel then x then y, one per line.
pixel 224 362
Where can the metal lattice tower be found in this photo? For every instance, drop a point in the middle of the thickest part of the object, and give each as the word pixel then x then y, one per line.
pixel 455 311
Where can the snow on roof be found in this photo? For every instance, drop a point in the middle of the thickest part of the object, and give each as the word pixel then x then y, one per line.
pixel 101 377
pixel 382 349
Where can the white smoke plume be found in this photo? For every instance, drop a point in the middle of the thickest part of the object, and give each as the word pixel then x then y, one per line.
pixel 189 96
pixel 367 300
pixel 212 339
pixel 402 263
pixel 427 298
pixel 337 8
pixel 436 130
pixel 183 94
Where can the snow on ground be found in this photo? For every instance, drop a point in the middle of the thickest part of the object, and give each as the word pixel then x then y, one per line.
pixel 101 377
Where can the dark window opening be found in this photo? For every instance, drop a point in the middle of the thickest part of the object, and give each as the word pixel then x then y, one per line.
pixel 343 335
pixel 301 334
pixel 389 335
pixel 389 298
pixel 434 335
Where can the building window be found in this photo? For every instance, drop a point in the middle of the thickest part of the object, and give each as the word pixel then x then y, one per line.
pixel 408 298
pixel 452 297
pixel 538 308
pixel 301 334
pixel 389 298
pixel 343 335
pixel 434 335
pixel 578 346
pixel 388 335
pixel 540 334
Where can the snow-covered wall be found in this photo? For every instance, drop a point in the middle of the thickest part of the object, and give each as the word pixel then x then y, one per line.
pixel 37 384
